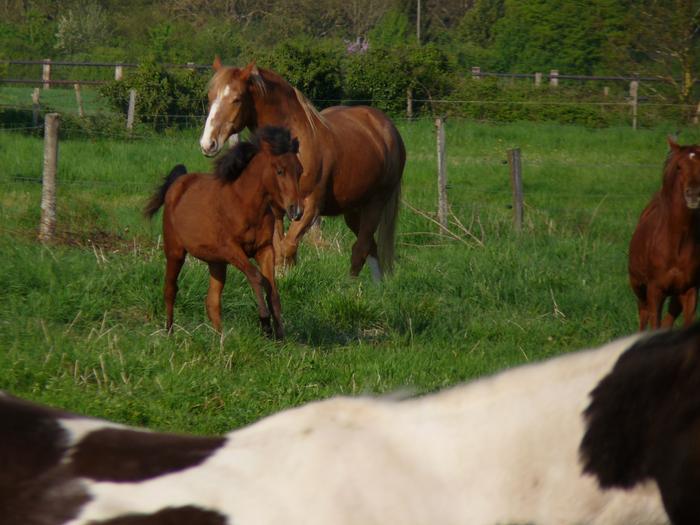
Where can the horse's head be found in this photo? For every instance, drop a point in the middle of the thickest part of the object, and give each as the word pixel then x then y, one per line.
pixel 231 105
pixel 281 169
pixel 687 166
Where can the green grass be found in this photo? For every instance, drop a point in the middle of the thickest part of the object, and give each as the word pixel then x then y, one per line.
pixel 81 320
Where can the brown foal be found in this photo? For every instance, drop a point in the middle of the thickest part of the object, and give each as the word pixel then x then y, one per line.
pixel 229 217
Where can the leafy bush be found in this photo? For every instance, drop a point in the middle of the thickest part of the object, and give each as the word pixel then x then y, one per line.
pixel 382 76
pixel 163 98
pixel 312 68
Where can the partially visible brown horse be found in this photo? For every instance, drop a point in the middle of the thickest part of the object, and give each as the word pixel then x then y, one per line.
pixel 228 218
pixel 664 255
pixel 353 158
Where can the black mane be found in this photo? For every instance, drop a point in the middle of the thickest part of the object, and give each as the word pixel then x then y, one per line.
pixel 279 139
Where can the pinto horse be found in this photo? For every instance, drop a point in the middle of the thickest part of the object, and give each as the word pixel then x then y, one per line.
pixel 664 253
pixel 502 449
pixel 228 218
pixel 643 422
pixel 353 158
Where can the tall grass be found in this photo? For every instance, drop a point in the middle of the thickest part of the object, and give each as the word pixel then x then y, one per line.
pixel 81 320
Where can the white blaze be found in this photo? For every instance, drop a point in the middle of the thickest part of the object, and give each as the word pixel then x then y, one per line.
pixel 206 139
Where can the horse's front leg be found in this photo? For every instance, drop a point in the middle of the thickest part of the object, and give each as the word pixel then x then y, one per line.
pixel 266 261
pixel 689 300
pixel 239 259
pixel 287 253
pixel 655 302
pixel 277 238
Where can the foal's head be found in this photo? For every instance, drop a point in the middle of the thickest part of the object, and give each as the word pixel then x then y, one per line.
pixel 683 166
pixel 272 155
pixel 231 104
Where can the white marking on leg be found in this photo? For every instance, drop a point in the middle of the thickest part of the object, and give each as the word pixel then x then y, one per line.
pixel 373 264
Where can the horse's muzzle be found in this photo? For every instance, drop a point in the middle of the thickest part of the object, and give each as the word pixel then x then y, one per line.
pixel 211 149
pixel 294 212
pixel 692 197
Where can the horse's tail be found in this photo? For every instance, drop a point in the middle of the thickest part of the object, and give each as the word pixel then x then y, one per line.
pixel 158 197
pixel 650 398
pixel 386 232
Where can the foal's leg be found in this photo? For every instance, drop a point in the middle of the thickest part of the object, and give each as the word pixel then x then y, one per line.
pixel 237 257
pixel 217 280
pixel 172 271
pixel 266 261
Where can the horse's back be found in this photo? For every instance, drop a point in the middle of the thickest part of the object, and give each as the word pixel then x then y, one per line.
pixel 368 155
pixel 369 124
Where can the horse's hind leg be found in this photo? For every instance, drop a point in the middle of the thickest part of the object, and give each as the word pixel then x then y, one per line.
pixel 217 280
pixel 172 271
pixel 364 223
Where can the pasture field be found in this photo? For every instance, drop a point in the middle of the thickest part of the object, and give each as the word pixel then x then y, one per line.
pixel 81 321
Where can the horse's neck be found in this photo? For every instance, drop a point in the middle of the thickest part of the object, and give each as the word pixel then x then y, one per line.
pixel 281 105
pixel 681 221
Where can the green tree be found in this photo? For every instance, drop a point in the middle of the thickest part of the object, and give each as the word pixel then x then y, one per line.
pixel 663 38
pixel 542 34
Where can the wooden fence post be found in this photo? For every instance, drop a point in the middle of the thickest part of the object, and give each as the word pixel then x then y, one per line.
pixel 442 172
pixel 476 73
pixel 79 100
pixel 46 73
pixel 696 117
pixel 409 103
pixel 132 110
pixel 47 226
pixel 538 79
pixel 35 106
pixel 118 72
pixel 554 77
pixel 634 101
pixel 516 181
pixel 606 91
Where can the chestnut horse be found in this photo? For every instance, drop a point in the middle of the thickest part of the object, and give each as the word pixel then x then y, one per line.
pixel 228 218
pixel 353 158
pixel 664 255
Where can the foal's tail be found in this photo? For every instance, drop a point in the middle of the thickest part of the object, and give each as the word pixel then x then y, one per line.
pixel 158 197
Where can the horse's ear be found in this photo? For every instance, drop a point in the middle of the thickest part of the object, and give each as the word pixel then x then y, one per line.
pixel 675 148
pixel 217 63
pixel 251 74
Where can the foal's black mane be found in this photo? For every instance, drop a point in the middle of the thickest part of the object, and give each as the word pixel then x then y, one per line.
pixel 230 166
